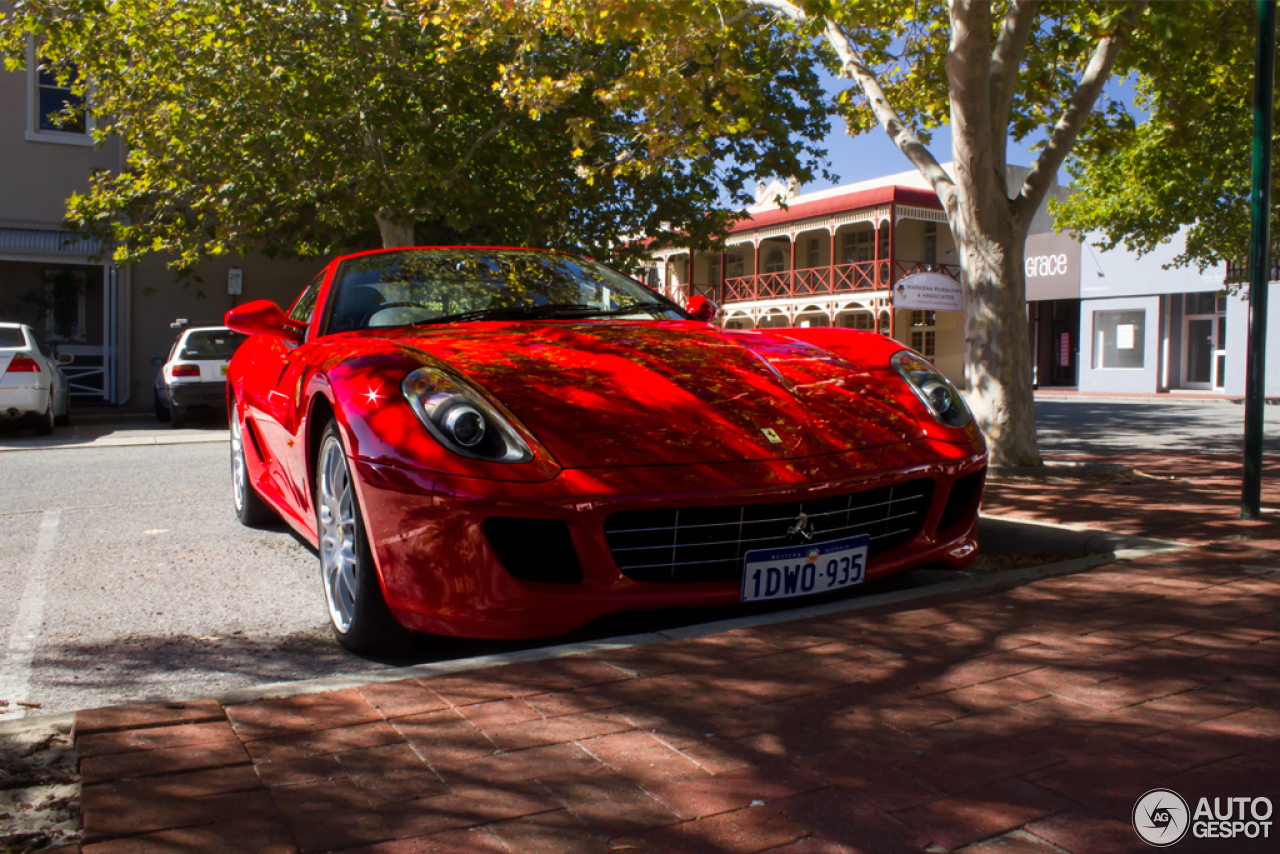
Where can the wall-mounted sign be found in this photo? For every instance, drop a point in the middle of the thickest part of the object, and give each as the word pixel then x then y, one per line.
pixel 235 281
pixel 1052 266
pixel 928 292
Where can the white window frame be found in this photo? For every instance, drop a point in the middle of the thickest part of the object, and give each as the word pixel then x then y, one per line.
pixel 34 132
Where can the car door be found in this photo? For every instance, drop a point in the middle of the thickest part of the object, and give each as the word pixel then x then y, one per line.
pixel 282 366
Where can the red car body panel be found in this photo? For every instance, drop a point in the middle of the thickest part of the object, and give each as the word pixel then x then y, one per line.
pixel 620 415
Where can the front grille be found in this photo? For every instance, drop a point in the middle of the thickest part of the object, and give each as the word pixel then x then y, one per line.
pixel 709 543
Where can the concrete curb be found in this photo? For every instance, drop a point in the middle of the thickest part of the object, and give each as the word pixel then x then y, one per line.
pixel 124 442
pixel 1121 547
pixel 1059 468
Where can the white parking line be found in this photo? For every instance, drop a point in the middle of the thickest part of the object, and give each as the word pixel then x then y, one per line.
pixel 20 653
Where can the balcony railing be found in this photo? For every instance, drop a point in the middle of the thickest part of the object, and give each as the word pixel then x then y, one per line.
pixel 1238 271
pixel 825 281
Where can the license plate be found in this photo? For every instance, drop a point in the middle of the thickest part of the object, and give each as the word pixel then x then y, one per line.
pixel 804 570
pixel 224 370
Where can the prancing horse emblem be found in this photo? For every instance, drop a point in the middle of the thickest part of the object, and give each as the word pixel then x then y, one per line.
pixel 802 527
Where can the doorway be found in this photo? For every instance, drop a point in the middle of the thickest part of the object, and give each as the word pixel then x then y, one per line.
pixel 1204 333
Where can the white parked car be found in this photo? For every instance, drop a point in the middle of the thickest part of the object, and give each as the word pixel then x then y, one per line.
pixel 32 385
pixel 196 371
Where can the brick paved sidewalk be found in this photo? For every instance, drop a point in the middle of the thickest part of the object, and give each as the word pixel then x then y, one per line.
pixel 1024 719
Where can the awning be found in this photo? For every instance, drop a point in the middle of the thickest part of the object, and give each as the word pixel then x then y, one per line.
pixel 47 242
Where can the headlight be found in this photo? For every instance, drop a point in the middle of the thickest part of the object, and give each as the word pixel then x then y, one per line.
pixel 934 390
pixel 461 420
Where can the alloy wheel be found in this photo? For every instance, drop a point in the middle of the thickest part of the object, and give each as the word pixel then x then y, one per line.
pixel 239 470
pixel 338 564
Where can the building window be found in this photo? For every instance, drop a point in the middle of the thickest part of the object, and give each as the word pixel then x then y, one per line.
pixel 1206 303
pixel 924 318
pixel 49 94
pixel 733 264
pixel 775 261
pixel 54 99
pixel 813 252
pixel 923 342
pixel 858 246
pixel 1119 339
pixel 931 243
pixel 62 302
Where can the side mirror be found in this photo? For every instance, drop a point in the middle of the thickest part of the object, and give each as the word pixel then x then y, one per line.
pixel 263 317
pixel 702 308
pixel 65 358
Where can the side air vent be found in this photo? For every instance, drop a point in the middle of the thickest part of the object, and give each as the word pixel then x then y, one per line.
pixel 962 500
pixel 535 549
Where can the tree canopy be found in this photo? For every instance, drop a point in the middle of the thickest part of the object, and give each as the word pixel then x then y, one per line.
pixel 304 127
pixel 1187 163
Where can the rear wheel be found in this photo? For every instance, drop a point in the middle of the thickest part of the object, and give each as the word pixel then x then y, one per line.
pixel 361 620
pixel 162 411
pixel 44 424
pixel 251 510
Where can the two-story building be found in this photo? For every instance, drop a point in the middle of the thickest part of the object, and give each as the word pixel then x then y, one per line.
pixel 113 321
pixel 1102 322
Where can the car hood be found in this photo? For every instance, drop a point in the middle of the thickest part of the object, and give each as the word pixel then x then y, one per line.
pixel 654 393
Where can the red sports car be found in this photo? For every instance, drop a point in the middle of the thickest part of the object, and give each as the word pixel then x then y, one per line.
pixel 509 443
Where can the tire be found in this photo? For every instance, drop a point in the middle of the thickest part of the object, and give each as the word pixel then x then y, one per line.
pixel 250 509
pixel 44 424
pixel 361 620
pixel 178 417
pixel 162 411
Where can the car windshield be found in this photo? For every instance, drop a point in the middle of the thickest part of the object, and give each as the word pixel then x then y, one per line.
pixel 11 336
pixel 425 286
pixel 211 344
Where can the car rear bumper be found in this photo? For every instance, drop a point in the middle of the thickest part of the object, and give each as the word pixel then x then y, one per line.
pixel 442 574
pixel 197 394
pixel 22 401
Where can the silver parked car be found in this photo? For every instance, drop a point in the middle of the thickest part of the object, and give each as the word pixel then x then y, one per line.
pixel 32 385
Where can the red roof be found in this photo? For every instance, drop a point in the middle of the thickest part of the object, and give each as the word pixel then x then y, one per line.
pixel 839 204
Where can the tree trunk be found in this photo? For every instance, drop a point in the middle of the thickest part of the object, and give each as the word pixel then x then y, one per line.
pixel 997 363
pixel 394 234
pixel 990 236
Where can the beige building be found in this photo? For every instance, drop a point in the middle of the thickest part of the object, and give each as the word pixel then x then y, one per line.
pixel 114 322
pixel 830 258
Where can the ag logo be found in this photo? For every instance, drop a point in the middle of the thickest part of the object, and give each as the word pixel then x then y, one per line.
pixel 1161 817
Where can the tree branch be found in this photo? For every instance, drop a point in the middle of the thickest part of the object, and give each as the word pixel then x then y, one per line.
pixel 471 152
pixel 1011 44
pixel 902 137
pixel 1073 119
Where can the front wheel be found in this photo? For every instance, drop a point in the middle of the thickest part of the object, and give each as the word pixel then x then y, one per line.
pixel 251 510
pixel 361 620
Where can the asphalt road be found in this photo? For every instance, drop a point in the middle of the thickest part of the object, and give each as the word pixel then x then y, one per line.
pixel 125 577
pixel 1083 426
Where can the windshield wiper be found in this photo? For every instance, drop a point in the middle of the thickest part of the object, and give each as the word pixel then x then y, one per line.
pixel 634 308
pixel 512 312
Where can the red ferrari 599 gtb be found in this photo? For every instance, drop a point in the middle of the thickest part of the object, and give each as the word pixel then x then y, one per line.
pixel 510 443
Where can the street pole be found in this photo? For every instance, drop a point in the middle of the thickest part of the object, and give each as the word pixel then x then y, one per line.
pixel 1259 260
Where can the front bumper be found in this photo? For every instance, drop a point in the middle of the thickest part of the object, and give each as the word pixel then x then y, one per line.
pixel 23 401
pixel 441 574
pixel 197 394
